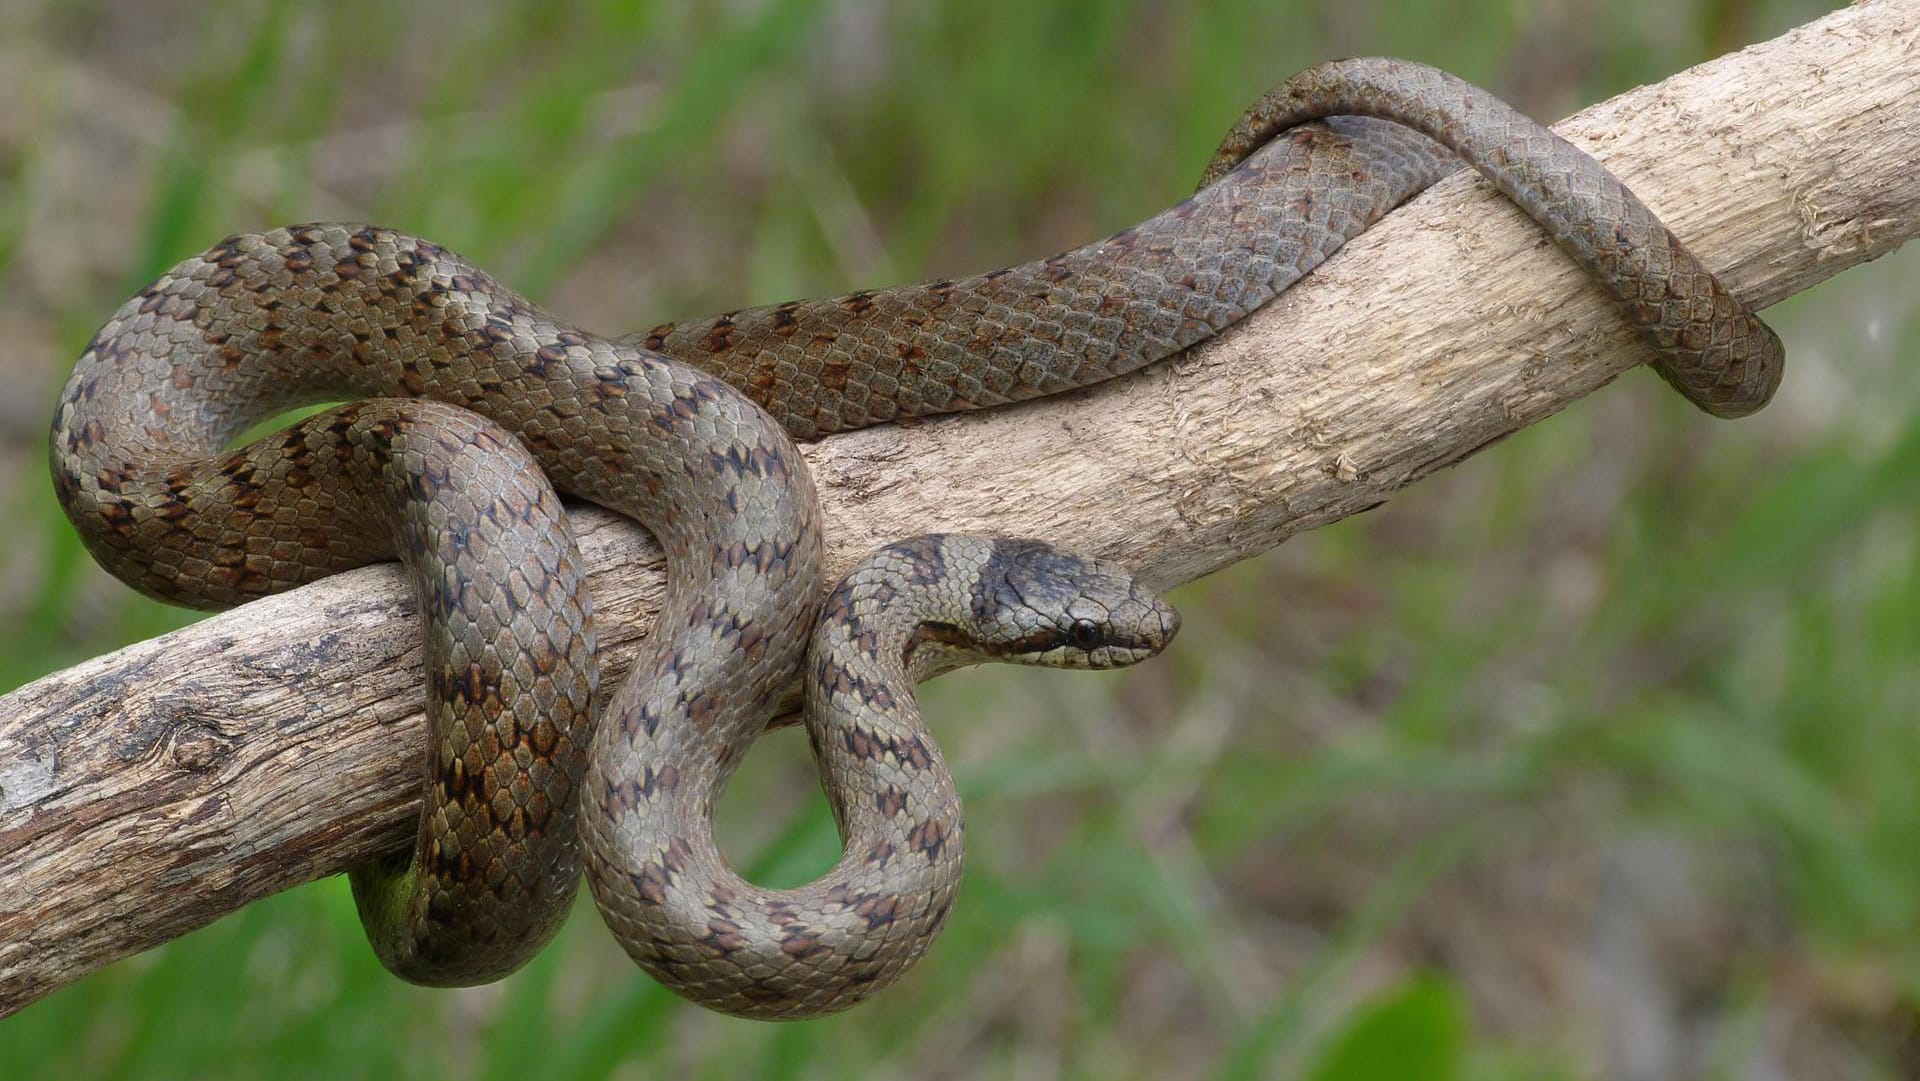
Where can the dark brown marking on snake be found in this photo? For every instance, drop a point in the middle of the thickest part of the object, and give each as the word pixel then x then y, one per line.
pixel 666 780
pixel 879 853
pixel 803 945
pixel 945 634
pixel 650 883
pixel 724 936
pixel 928 838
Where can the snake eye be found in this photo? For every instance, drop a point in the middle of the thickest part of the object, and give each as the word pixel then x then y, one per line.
pixel 1083 635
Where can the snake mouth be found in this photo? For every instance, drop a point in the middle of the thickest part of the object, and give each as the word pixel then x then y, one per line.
pixel 1052 647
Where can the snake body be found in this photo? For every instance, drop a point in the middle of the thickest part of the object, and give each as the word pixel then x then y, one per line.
pixel 908 611
pixel 263 322
pixel 1278 197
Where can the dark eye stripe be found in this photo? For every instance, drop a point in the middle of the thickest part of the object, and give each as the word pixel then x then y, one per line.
pixel 943 633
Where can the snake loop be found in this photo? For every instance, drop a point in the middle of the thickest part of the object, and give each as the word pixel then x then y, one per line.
pixel 906 612
pixel 264 322
pixel 652 426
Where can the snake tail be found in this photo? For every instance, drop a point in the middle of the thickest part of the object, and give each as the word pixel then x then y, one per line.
pixel 1711 347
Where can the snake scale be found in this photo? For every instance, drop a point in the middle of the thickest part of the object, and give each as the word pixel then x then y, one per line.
pixel 472 406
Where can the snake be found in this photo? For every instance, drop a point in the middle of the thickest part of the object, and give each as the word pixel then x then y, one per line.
pixel 469 407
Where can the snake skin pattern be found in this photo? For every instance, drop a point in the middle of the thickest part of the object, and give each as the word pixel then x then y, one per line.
pixel 264 322
pixel 1275 201
pixel 909 611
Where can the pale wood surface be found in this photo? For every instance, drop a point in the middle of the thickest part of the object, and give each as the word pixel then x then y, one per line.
pixel 150 791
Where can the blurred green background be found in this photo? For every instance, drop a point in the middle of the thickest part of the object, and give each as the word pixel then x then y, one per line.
pixel 1593 757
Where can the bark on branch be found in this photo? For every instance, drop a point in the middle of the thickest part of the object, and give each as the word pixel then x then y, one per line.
pixel 148 792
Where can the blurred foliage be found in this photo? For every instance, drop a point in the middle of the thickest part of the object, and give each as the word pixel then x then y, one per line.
pixel 1626 623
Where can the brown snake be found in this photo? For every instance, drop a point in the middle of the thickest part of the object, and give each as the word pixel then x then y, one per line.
pixel 264 322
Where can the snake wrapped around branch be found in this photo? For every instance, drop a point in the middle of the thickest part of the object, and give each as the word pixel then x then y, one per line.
pixel 472 406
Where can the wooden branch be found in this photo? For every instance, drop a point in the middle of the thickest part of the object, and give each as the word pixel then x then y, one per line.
pixel 150 791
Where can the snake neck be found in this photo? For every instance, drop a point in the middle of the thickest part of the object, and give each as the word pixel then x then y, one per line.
pixel 731 945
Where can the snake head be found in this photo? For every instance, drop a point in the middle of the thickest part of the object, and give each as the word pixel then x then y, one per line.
pixel 1040 605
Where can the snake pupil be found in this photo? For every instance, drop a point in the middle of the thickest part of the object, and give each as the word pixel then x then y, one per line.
pixel 1083 634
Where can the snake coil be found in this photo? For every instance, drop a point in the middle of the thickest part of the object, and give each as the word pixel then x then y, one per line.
pixel 473 406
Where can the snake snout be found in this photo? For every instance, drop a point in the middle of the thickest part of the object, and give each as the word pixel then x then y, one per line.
pixel 1169 619
pixel 1120 621
pixel 1137 628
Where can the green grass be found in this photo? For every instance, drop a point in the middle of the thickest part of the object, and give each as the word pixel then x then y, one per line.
pixel 1624 626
